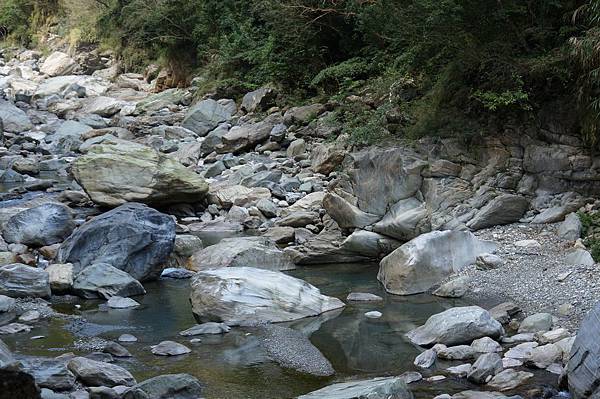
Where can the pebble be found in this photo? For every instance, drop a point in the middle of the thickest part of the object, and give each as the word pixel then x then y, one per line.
pixel 373 314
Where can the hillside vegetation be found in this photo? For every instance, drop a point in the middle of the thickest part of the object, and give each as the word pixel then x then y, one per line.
pixel 396 68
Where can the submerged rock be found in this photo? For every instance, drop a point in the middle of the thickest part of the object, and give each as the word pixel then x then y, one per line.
pixel 206 328
pixel 170 348
pixel 455 326
pixel 428 259
pixel 113 174
pixel 247 296
pixel 376 388
pixel 168 386
pixel 132 238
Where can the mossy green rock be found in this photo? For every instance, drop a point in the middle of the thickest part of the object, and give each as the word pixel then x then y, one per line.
pixel 113 174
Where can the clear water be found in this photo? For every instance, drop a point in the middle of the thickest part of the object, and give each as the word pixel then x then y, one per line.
pixel 233 365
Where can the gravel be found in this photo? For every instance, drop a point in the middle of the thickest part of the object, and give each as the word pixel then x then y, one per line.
pixel 536 279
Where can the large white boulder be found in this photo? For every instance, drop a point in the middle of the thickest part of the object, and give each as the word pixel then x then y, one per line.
pixel 425 261
pixel 57 64
pixel 248 296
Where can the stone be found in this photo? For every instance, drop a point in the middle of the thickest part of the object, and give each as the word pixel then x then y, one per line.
pixel 58 64
pixel 267 296
pixel 18 384
pixel 326 158
pixel 521 351
pixel 30 316
pixel 42 225
pixel 363 297
pixel 504 312
pixel 103 393
pixel 460 352
pixel 245 137
pixel 583 368
pixel 168 386
pixel 296 148
pixel 299 219
pixel 127 338
pixel 544 355
pixel 460 370
pixel 293 350
pixel 376 388
pixel 405 220
pixel 6 258
pixel 117 302
pixel 60 276
pixel 267 208
pixel 536 323
pixel 486 345
pixel 486 366
pixel 94 373
pixel 209 328
pixel 175 273
pixel 528 244
pixel 456 288
pixel 132 238
pixel 205 116
pixel 509 379
pixel 101 280
pixel 345 214
pixel 489 261
pixel 7 359
pixel 427 260
pixel 50 373
pixel 504 209
pixel 373 315
pixel 170 348
pixel 14 120
pixel 456 326
pixel 113 174
pixel 116 350
pixel 258 252
pixel 14 328
pixel 578 257
pixel 369 244
pixel 21 281
pixel 411 376
pixel 7 304
pixel 426 359
pixel 103 106
pixel 258 100
pixel 571 228
pixel 553 336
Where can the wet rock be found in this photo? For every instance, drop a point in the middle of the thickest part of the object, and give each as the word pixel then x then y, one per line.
pixel 428 259
pixel 42 225
pixel 485 367
pixel 363 297
pixel 101 280
pixel 456 288
pixel 117 302
pixel 168 386
pixel 21 281
pixel 258 252
pixel 205 116
pixel 14 328
pixel 504 209
pixel 132 238
pixel 93 373
pixel 486 345
pixel 460 352
pixel 50 373
pixel 291 349
pixel 266 296
pixel 206 328
pixel 383 387
pixel 509 379
pixel 536 323
pixel 116 350
pixel 170 348
pixel 112 174
pixel 456 326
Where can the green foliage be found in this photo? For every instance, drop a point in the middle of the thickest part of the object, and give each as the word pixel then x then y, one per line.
pixel 591 232
pixel 342 74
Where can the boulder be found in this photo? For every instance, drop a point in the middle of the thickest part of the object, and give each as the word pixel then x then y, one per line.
pixel 119 302
pixel 116 350
pixel 326 158
pixel 50 373
pixel 456 326
pixel 209 328
pixel 427 260
pixel 113 174
pixel 293 350
pixel 536 323
pixel 7 304
pixel 245 137
pixel 133 238
pixel 504 209
pixel 17 384
pixel 168 386
pixel 456 288
pixel 103 106
pixel 39 226
pixel 303 114
pixel 93 373
pixel 345 214
pixel 571 228
pixel 369 244
pixel 6 357
pixel 259 252
pixel 246 296
pixel 170 348
pixel 61 277
pixel 58 64
pixel 258 100
pixel 486 366
pixel 509 379
pixel 101 280
pixel 14 120
pixel 583 368
pixel 578 257
pixel 405 220
pixel 21 281
pixel 376 388
pixel 205 116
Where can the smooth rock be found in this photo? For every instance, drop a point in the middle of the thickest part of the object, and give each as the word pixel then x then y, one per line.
pixel 93 373
pixel 456 288
pixel 509 379
pixel 170 348
pixel 206 328
pixel 376 388
pixel 42 225
pixel 101 280
pixel 117 302
pixel 571 228
pixel 536 323
pixel 504 209
pixel 168 386
pixel 21 281
pixel 486 366
pixel 583 368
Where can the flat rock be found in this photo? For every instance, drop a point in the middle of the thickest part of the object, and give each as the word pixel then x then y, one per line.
pixel 170 348
pixel 117 302
pixel 509 379
pixel 363 297
pixel 168 386
pixel 210 328
pixel 93 373
pixel 101 280
pixel 383 387
pixel 22 281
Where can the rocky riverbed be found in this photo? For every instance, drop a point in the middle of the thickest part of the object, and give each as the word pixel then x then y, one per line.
pixel 160 245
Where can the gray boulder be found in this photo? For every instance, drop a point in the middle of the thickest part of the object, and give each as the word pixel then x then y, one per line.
pixel 486 366
pixel 427 260
pixel 6 356
pixel 14 120
pixel 50 373
pixel 456 326
pixel 535 323
pixel 93 373
pixel 58 64
pixel 578 257
pixel 205 116
pixel 22 281
pixel 293 350
pixel 101 280
pixel 170 348
pixel 246 137
pixel 259 252
pixel 18 384
pixel 583 369
pixel 258 99
pixel 42 225
pixel 571 228
pixel 345 214
pixel 376 388
pixel 265 296
pixel 168 386
pixel 209 328
pixel 504 209
pixel 405 220
pixel 132 238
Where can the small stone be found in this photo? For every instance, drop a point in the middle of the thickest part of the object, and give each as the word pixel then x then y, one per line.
pixel 116 350
pixel 486 345
pixel 460 370
pixel 127 338
pixel 30 316
pixel 435 378
pixel 117 302
pixel 363 297
pixel 426 359
pixel 373 314
pixel 488 262
pixel 170 348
